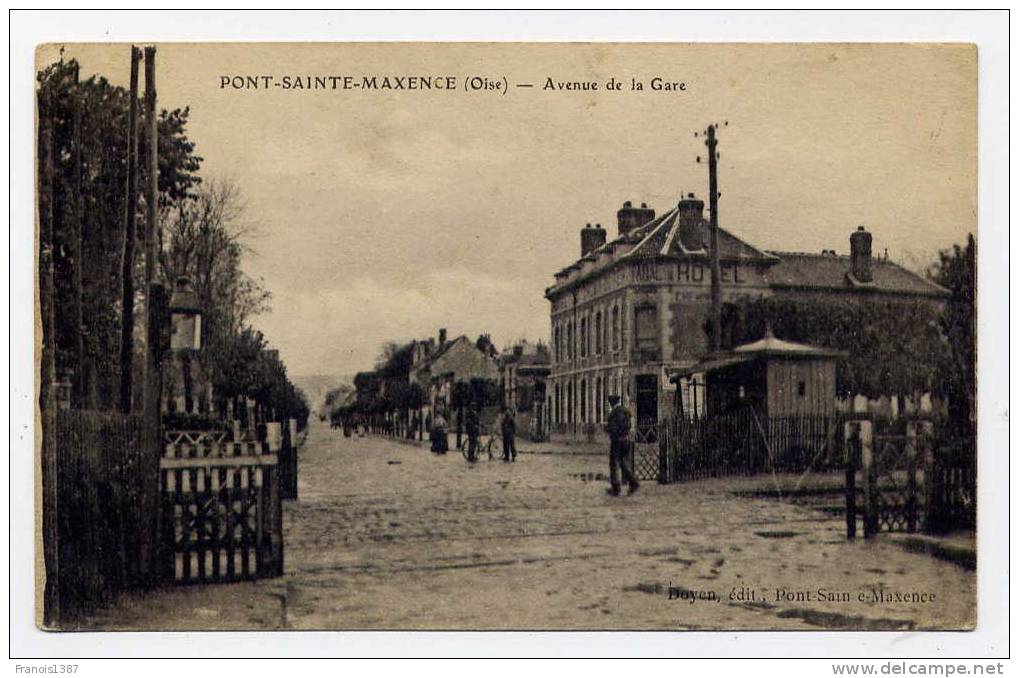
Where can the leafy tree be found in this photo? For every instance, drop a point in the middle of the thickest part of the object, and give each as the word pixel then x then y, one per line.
pixel 90 140
pixel 956 271
pixel 894 346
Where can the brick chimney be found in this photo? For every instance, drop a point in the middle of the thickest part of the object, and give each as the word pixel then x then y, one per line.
pixel 859 255
pixel 591 238
pixel 442 337
pixel 631 217
pixel 691 221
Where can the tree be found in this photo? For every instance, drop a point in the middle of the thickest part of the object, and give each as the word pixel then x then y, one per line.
pixel 956 271
pixel 206 237
pixel 485 345
pixel 895 346
pixel 90 140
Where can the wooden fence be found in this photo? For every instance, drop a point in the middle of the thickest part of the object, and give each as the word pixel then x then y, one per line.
pixel 222 515
pixel 910 478
pixel 106 509
pixel 743 443
pixel 952 489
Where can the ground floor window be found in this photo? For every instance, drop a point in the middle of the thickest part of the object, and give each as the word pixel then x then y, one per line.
pixel 583 401
pixel 569 403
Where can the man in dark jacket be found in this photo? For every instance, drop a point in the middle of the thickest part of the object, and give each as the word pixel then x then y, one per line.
pixel 509 432
pixel 618 428
pixel 472 423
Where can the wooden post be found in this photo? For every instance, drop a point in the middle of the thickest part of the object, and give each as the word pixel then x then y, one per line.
pixel 47 369
pixel 911 502
pixel 156 326
pixel 716 279
pixel 870 489
pixel 127 262
pixel 918 446
pixel 152 195
pixel 155 312
pixel 852 451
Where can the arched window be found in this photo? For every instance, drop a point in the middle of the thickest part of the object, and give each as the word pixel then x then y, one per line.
pixel 598 398
pixel 583 337
pixel 569 340
pixel 597 333
pixel 558 345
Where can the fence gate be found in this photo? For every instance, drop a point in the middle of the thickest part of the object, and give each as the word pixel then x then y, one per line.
pixel 646 451
pixel 221 511
pixel 893 492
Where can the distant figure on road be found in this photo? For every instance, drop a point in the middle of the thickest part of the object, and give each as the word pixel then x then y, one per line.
pixel 509 432
pixel 618 428
pixel 440 444
pixel 472 424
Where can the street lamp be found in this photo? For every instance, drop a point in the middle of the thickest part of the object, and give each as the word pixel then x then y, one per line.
pixel 185 317
pixel 185 332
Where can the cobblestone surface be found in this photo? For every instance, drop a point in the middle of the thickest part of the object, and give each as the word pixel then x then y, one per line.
pixel 388 535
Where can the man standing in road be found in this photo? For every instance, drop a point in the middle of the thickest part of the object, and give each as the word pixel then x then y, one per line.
pixel 509 432
pixel 472 423
pixel 618 428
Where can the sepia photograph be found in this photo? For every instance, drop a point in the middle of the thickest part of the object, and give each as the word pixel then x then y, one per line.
pixel 506 336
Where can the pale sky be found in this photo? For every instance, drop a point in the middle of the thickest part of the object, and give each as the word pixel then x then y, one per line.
pixel 386 215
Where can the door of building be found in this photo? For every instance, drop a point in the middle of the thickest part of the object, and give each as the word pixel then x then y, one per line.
pixel 647 399
pixel 645 431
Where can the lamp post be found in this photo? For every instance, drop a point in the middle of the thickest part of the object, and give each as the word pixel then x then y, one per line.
pixel 185 331
pixel 185 317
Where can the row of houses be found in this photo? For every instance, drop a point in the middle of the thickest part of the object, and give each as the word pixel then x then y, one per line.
pixel 439 375
pixel 630 317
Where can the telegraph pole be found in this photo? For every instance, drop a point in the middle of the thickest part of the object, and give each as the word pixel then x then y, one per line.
pixel 716 283
pixel 155 317
pixel 152 195
pixel 127 264
pixel 151 385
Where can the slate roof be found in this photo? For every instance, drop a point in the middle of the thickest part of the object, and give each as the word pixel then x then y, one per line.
pixel 790 270
pixel 661 237
pixel 826 271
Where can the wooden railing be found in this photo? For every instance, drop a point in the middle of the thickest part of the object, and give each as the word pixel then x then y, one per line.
pixel 744 443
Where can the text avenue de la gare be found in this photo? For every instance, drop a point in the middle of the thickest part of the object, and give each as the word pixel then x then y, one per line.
pixel 442 83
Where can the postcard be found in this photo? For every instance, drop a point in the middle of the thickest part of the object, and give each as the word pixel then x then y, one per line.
pixel 506 336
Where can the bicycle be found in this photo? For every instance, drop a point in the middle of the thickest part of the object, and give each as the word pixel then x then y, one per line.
pixel 489 444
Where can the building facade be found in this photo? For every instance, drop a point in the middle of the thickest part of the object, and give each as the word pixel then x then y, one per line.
pixel 635 308
pixel 523 371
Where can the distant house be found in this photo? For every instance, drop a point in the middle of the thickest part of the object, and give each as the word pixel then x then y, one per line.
pixel 458 360
pixel 523 371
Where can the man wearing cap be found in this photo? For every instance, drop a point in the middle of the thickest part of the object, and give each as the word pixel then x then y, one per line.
pixel 618 428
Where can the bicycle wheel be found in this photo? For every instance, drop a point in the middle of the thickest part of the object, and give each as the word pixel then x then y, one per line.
pixel 494 447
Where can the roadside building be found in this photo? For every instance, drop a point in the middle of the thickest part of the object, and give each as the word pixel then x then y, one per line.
pixel 458 360
pixel 523 373
pixel 634 309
